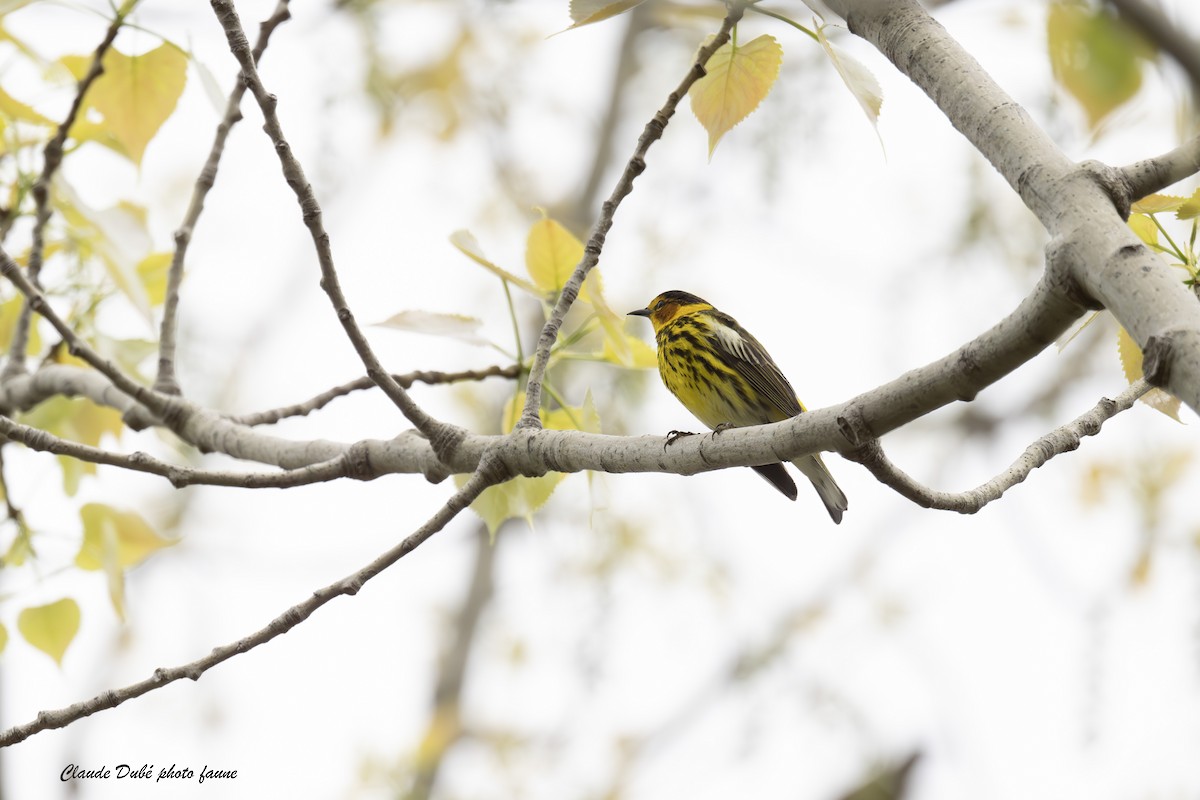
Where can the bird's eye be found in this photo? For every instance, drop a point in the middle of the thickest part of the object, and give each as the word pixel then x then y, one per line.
pixel 658 306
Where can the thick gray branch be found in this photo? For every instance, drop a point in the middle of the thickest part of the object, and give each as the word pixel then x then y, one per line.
pixel 1105 262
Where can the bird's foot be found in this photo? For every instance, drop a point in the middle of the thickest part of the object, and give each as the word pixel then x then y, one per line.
pixel 674 436
pixel 724 426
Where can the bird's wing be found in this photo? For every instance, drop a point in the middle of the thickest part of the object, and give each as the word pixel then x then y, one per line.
pixel 744 353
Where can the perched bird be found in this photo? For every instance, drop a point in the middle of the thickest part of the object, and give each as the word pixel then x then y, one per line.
pixel 727 379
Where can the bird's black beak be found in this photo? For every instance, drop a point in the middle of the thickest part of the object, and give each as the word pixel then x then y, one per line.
pixel 641 312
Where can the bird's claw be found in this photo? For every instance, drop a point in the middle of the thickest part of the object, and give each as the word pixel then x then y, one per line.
pixel 724 426
pixel 674 436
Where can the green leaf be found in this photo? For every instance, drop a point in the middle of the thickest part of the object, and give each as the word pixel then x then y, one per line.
pixel 50 628
pixel 737 80
pixel 1131 363
pixel 134 96
pixel 467 245
pixel 1095 57
pixel 551 255
pixel 453 326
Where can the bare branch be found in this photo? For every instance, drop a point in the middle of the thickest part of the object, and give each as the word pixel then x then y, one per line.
pixel 166 381
pixel 40 440
pixel 444 438
pixel 1155 174
pixel 1098 259
pixel 162 406
pixel 49 720
pixel 591 251
pixel 1058 441
pixel 406 380
pixel 52 157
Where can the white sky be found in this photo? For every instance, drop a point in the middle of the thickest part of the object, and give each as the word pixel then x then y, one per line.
pixel 1010 647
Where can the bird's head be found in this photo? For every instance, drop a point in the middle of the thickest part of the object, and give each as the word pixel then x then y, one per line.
pixel 669 306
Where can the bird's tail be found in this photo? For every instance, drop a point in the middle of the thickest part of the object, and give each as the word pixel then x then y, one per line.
pixel 831 494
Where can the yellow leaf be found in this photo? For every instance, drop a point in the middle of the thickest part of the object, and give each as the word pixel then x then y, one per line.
pixel 1190 208
pixel 551 255
pixel 152 272
pixel 1144 227
pixel 613 323
pixel 50 628
pixel 858 79
pixel 640 355
pixel 1094 57
pixel 3 637
pixel 78 420
pixel 585 12
pixel 1131 363
pixel 134 97
pixel 13 109
pixel 1157 203
pixel 122 535
pixel 737 81
pixel 519 498
pixel 466 244
pixel 10 312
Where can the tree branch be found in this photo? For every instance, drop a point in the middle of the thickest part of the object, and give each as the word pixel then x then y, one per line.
pixel 161 405
pixel 1058 441
pixel 40 440
pixel 445 438
pixel 48 720
pixel 1101 261
pixel 406 380
pixel 52 157
pixel 595 244
pixel 1155 174
pixel 166 381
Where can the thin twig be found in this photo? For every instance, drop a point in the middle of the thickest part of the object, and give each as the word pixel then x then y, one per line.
pixel 1058 441
pixel 591 252
pixel 443 437
pixel 166 381
pixel 406 380
pixel 48 720
pixel 40 440
pixel 52 157
pixel 164 407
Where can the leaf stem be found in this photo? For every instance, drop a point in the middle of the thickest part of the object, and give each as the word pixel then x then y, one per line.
pixel 781 18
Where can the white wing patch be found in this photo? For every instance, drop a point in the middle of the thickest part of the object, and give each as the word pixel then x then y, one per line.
pixel 733 342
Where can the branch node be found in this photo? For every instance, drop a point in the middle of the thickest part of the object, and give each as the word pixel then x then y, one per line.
pixel 1156 360
pixel 1114 182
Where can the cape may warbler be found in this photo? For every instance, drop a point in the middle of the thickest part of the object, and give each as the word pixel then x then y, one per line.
pixel 727 379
